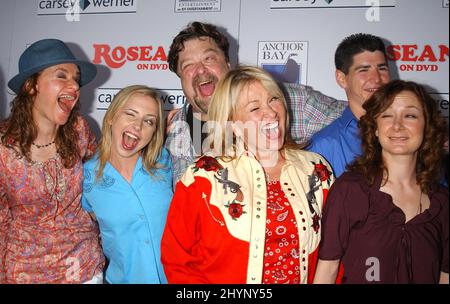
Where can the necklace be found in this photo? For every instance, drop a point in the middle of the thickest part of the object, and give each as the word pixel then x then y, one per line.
pixel 43 146
pixel 269 180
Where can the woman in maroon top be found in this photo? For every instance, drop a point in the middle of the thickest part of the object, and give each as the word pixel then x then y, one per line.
pixel 386 219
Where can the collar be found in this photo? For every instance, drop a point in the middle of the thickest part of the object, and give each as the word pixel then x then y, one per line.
pixel 348 118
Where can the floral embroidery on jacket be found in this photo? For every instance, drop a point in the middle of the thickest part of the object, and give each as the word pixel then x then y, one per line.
pixel 235 209
pixel 207 163
pixel 319 174
pixel 322 172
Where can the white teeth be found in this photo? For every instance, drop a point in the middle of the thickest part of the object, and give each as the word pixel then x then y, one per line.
pixel 70 97
pixel 131 135
pixel 271 125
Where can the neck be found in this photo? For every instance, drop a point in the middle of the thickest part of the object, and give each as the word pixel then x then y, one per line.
pixel 46 133
pixel 402 168
pixel 356 109
pixel 124 165
pixel 271 162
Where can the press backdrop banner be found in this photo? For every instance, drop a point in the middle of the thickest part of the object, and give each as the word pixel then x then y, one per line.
pixel 295 40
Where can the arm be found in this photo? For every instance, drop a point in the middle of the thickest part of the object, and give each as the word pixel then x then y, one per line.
pixel 169 119
pixel 5 218
pixel 309 110
pixel 326 272
pixel 180 252
pixel 444 278
pixel 87 138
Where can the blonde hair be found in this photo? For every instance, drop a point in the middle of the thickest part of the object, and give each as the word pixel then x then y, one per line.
pixel 152 150
pixel 224 105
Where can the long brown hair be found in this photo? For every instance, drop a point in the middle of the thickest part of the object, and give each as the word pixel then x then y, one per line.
pixel 19 129
pixel 431 151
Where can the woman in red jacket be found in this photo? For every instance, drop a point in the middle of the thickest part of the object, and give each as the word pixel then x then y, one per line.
pixel 249 211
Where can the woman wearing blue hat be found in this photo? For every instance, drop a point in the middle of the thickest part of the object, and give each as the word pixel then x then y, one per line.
pixel 45 235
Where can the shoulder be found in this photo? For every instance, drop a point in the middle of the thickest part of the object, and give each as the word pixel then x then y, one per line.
pixel 350 182
pixel 81 122
pixel 330 131
pixel 441 197
pixel 164 157
pixel 91 164
pixel 204 166
pixel 307 162
pixel 303 156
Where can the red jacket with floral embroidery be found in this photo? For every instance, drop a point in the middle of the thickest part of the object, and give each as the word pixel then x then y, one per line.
pixel 215 229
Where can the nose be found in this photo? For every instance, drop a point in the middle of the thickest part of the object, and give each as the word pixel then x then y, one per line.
pixel 397 123
pixel 73 83
pixel 376 76
pixel 137 125
pixel 270 112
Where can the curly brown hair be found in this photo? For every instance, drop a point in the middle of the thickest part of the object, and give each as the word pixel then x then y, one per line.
pixel 19 129
pixel 196 30
pixel 431 151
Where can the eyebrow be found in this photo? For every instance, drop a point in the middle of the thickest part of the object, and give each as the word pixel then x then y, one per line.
pixel 134 111
pixel 252 101
pixel 77 74
pixel 209 50
pixel 413 107
pixel 366 66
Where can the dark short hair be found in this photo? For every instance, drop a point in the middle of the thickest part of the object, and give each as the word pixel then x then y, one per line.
pixel 354 45
pixel 196 30
pixel 430 153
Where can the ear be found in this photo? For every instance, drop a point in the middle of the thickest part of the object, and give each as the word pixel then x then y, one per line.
pixel 29 87
pixel 376 132
pixel 341 79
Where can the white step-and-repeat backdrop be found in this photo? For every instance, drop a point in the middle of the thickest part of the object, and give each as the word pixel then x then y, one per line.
pixel 129 40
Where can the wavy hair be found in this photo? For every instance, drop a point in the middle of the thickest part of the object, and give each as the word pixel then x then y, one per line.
pixel 152 150
pixel 196 30
pixel 19 129
pixel 430 152
pixel 224 103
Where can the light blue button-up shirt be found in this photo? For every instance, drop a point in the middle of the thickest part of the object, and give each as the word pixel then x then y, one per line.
pixel 339 142
pixel 131 218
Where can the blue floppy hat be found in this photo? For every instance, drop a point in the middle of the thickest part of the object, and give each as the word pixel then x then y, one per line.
pixel 46 53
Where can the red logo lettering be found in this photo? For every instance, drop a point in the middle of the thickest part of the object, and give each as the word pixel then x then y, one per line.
pixel 116 57
pixel 414 53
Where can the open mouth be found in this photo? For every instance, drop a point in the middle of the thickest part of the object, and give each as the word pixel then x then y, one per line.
pixel 129 141
pixel 271 130
pixel 207 88
pixel 398 138
pixel 66 102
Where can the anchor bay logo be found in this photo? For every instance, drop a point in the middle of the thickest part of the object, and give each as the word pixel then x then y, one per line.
pixel 62 7
pixel 286 61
